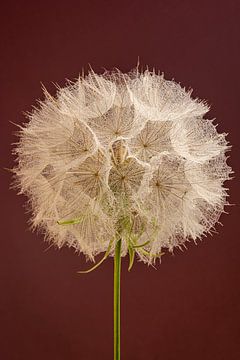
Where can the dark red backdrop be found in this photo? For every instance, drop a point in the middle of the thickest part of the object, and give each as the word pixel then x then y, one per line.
pixel 187 309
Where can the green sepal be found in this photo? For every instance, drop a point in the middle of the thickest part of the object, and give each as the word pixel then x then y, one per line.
pixel 147 253
pixel 141 245
pixel 69 222
pixel 131 253
pixel 100 262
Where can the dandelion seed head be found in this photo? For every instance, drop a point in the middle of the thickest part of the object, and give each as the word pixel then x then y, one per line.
pixel 125 156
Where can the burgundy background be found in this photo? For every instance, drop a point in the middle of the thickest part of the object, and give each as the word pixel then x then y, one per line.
pixel 189 307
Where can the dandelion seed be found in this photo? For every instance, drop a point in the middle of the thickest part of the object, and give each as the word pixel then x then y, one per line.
pixel 126 146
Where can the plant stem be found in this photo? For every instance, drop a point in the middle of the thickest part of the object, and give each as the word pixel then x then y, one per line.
pixel 116 307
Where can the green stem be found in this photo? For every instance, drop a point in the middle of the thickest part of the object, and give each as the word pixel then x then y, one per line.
pixel 116 308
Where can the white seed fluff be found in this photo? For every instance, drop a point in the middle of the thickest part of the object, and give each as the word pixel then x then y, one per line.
pixel 122 156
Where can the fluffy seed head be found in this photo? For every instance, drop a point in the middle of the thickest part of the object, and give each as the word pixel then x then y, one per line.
pixel 122 156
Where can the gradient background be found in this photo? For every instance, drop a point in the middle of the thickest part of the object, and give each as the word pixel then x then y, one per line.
pixel 190 307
